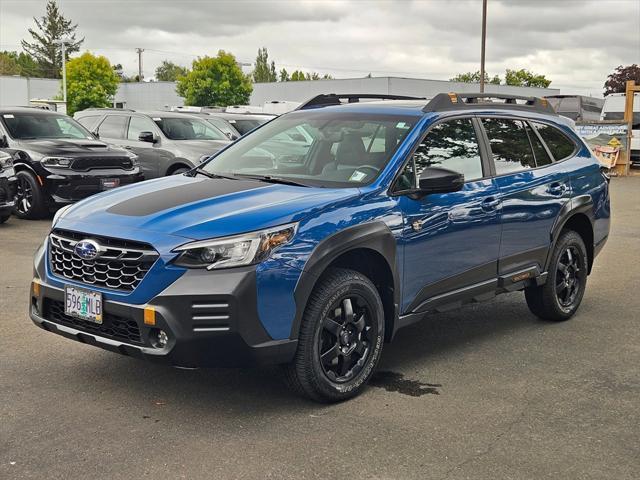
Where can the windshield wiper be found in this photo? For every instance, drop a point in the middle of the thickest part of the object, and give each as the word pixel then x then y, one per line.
pixel 201 171
pixel 270 179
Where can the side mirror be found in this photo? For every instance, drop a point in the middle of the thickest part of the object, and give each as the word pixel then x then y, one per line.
pixel 439 180
pixel 147 137
pixel 96 134
pixel 4 143
pixel 232 137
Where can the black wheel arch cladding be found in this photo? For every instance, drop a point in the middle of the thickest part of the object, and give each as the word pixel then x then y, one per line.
pixel 375 236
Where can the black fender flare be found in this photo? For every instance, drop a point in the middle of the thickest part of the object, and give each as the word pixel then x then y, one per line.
pixel 374 236
pixel 581 204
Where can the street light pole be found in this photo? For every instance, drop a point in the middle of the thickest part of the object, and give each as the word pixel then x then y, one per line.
pixel 484 41
pixel 63 46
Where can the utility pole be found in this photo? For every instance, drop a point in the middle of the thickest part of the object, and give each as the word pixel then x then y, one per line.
pixel 140 50
pixel 63 46
pixel 484 41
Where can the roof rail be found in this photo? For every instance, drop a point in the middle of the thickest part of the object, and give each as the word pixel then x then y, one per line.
pixel 461 101
pixel 331 99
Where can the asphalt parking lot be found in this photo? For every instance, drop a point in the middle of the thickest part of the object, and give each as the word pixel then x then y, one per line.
pixel 485 392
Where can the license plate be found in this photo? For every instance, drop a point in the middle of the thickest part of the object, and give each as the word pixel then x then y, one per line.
pixel 83 304
pixel 108 183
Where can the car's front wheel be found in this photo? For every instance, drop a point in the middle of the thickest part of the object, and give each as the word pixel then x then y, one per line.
pixel 561 295
pixel 29 198
pixel 341 338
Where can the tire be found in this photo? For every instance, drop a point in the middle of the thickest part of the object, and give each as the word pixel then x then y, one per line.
pixel 30 201
pixel 559 298
pixel 4 218
pixel 340 339
pixel 179 171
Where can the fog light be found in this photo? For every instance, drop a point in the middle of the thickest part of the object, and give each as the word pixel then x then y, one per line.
pixel 159 338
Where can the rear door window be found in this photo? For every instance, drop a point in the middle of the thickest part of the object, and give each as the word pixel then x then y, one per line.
pixel 559 144
pixel 540 153
pixel 113 126
pixel 509 145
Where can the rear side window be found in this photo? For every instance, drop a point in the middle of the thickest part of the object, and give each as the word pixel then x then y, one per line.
pixel 559 145
pixel 113 126
pixel 509 144
pixel 541 154
pixel 87 121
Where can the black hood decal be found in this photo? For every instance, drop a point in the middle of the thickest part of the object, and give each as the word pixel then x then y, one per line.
pixel 163 199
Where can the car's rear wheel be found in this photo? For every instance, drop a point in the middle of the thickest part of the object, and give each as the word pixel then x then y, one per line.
pixel 341 338
pixel 29 198
pixel 559 298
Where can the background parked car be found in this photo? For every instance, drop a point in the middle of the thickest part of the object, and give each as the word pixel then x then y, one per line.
pixel 166 143
pixel 232 124
pixel 57 161
pixel 7 186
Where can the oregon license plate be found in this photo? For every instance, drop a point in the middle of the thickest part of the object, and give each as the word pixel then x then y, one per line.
pixel 108 183
pixel 83 304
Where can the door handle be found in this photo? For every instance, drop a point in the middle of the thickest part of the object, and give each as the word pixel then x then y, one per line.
pixel 557 188
pixel 490 203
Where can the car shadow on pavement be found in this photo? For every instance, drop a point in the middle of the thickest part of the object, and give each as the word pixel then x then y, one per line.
pixel 199 392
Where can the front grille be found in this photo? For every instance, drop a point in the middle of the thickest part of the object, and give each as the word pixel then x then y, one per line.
pixel 91 163
pixel 121 264
pixel 114 327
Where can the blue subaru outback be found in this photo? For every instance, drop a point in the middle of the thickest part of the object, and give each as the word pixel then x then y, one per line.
pixel 313 239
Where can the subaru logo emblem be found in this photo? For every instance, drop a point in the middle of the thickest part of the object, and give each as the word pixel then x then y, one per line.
pixel 87 249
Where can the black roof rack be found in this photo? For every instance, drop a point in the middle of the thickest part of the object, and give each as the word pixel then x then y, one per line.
pixel 93 109
pixel 331 99
pixel 462 101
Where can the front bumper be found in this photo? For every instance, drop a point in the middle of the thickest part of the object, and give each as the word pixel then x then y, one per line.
pixel 211 320
pixel 7 192
pixel 66 187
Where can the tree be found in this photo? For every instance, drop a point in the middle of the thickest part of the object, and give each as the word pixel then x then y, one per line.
pixel 91 82
pixel 284 75
pixel 215 81
pixel 8 64
pixel 299 75
pixel 474 77
pixel 170 72
pixel 13 63
pixel 617 80
pixel 264 72
pixel 51 27
pixel 525 78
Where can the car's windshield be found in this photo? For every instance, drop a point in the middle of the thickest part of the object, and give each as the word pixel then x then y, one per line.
pixel 317 148
pixel 25 126
pixel 179 128
pixel 245 125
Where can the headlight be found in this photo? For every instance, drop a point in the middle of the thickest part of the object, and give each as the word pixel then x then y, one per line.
pixel 59 214
pixel 57 162
pixel 236 251
pixel 6 161
pixel 134 158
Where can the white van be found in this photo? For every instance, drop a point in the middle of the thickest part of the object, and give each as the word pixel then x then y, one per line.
pixel 613 109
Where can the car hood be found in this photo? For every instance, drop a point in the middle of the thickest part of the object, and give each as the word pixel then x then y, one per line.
pixel 68 147
pixel 196 208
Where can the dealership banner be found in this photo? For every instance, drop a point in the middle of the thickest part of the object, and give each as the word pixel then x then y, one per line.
pixel 608 141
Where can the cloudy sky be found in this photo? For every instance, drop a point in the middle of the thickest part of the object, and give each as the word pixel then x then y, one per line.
pixel 574 43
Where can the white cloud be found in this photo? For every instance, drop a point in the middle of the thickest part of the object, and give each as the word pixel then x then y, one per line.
pixel 574 43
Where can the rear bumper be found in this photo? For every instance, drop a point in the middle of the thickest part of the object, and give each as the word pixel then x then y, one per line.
pixel 211 321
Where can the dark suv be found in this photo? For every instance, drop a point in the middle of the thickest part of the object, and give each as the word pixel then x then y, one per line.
pixel 397 209
pixel 166 143
pixel 57 161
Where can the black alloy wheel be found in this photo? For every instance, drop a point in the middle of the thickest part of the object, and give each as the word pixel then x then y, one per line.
pixel 559 298
pixel 347 336
pixel 29 201
pixel 340 338
pixel 569 277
